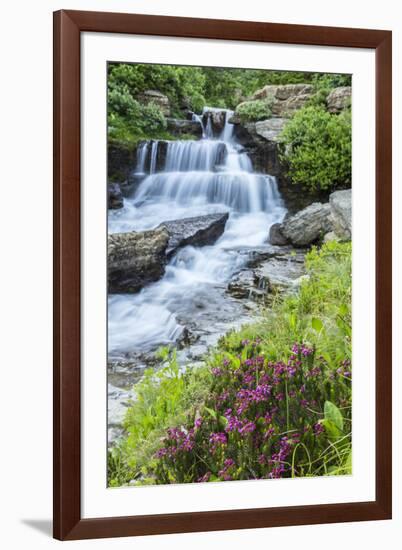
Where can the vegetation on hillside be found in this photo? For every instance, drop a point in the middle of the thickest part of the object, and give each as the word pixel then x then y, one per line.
pixel 188 88
pixel 272 399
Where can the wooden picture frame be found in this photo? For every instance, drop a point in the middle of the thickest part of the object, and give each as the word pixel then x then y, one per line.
pixel 68 26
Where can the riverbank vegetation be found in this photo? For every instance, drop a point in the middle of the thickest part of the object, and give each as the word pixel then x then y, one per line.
pixel 271 400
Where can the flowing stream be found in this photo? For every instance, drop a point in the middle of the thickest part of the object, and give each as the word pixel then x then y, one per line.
pixel 210 175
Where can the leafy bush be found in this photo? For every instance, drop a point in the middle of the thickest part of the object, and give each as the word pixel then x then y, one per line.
pixel 252 111
pixel 316 148
pixel 288 375
pixel 130 121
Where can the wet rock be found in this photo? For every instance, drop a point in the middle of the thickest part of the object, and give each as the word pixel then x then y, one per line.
pixel 296 196
pixel 156 97
pixel 307 226
pixel 197 231
pixel 118 402
pixel 121 159
pixel 257 255
pixel 264 153
pixel 339 98
pixel 130 186
pixel 281 273
pixel 115 197
pixel 136 259
pixel 341 213
pixel 217 119
pixel 178 127
pixel 242 284
pixel 276 237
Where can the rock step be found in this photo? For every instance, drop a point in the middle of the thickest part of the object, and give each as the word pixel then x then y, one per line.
pixel 136 259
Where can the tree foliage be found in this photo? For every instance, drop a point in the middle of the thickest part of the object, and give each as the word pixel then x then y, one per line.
pixel 190 88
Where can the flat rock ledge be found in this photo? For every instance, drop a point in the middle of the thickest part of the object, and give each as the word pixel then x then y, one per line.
pixel 197 231
pixel 136 259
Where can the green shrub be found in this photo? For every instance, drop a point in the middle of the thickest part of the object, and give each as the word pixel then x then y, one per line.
pixel 252 111
pixel 316 148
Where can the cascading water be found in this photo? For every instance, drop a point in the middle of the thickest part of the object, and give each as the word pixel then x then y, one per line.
pixel 213 174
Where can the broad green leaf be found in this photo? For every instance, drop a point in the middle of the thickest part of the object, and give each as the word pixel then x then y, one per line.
pixel 317 324
pixel 333 432
pixel 332 413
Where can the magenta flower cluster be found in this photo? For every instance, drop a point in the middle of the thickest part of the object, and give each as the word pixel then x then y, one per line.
pixel 258 414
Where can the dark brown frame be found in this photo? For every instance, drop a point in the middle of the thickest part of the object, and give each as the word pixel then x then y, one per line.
pixel 68 26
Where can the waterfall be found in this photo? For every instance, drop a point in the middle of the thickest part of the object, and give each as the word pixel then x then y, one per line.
pixel 154 156
pixel 196 177
pixel 142 153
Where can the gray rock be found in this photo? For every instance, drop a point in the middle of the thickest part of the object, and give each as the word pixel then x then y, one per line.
pixel 115 196
pixel 287 98
pixel 271 128
pixel 276 236
pixel 308 225
pixel 242 284
pixel 197 231
pixel 341 213
pixel 281 273
pixel 156 97
pixel 331 236
pixel 339 98
pixel 136 259
pixel 178 127
pixel 217 119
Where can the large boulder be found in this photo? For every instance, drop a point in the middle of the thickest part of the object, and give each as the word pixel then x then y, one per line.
pixel 179 127
pixel 136 259
pixel 271 128
pixel 285 98
pixel 339 98
pixel 341 213
pixel 197 231
pixel 115 196
pixel 155 96
pixel 309 225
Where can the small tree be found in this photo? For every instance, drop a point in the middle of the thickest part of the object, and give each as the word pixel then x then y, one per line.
pixel 316 147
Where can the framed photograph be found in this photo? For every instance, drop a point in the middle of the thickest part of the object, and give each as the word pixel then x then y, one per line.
pixel 222 354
